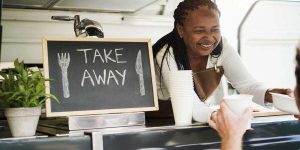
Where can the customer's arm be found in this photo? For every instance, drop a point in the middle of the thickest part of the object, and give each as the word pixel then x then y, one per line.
pixel 230 127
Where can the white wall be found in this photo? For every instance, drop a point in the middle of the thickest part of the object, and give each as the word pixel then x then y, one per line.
pixel 268 38
pixel 232 13
pixel 23 29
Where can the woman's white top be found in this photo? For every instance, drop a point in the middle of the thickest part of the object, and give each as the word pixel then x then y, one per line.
pixel 234 70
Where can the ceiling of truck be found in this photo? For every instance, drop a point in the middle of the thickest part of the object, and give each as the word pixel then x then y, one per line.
pixel 80 5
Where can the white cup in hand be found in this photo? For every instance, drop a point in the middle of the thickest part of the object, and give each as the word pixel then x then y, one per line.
pixel 238 104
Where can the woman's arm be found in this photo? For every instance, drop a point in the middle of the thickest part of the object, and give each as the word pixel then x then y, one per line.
pixel 238 75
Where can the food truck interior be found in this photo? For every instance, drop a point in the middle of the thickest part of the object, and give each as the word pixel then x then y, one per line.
pixel 264 32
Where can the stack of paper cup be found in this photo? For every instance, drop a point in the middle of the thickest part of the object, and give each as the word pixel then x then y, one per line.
pixel 181 90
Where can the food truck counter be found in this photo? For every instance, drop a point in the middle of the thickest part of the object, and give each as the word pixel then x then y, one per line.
pixel 284 133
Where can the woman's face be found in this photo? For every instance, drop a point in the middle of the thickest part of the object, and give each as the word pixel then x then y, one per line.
pixel 200 31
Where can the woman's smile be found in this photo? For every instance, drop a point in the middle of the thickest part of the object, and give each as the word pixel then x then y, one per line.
pixel 206 46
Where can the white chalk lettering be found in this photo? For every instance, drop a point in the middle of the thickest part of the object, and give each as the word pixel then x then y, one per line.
pixel 122 75
pixel 118 54
pixel 104 77
pixel 97 54
pixel 86 75
pixel 84 50
pixel 111 75
pixel 100 78
pixel 106 56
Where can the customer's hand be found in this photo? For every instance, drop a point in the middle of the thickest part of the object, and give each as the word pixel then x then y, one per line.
pixel 228 124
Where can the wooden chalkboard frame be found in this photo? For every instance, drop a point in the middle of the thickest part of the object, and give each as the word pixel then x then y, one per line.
pixel 49 102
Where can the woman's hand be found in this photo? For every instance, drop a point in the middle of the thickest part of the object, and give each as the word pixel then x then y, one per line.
pixel 268 96
pixel 297 116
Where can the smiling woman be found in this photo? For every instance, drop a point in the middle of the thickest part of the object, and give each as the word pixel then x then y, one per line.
pixel 196 44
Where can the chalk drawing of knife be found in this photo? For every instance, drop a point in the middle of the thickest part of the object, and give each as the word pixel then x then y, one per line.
pixel 139 71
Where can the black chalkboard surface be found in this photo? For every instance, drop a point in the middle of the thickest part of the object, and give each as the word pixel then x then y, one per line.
pixel 98 76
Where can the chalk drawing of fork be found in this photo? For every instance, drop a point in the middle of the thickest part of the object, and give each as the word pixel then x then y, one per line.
pixel 64 61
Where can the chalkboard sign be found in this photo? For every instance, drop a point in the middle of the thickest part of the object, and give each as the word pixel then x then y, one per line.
pixel 98 76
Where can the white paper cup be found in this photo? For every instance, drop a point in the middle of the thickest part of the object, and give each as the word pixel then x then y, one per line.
pixel 239 103
pixel 182 110
pixel 181 90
